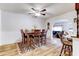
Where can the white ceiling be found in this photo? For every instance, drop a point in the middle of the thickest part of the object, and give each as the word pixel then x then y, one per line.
pixel 52 9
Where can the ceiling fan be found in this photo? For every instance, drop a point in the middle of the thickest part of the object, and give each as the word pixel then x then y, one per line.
pixel 38 12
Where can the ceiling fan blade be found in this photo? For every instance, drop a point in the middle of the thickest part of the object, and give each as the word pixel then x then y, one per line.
pixel 43 14
pixel 43 10
pixel 31 13
pixel 33 9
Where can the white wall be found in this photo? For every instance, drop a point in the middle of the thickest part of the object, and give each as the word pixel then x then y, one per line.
pixel 65 19
pixel 13 22
pixel 75 47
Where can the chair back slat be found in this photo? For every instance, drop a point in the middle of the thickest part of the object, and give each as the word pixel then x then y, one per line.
pixel 22 33
pixel 61 37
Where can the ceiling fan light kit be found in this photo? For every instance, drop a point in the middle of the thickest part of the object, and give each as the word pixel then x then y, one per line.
pixel 37 14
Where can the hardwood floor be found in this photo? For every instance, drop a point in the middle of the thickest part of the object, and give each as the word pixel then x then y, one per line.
pixel 13 50
pixel 42 51
pixel 8 50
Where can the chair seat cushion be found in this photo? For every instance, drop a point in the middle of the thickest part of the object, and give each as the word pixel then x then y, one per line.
pixel 67 42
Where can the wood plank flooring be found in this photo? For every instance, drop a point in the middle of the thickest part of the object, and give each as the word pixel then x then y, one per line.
pixel 8 50
pixel 46 51
pixel 13 50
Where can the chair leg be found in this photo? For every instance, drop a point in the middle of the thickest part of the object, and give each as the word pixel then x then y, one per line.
pixel 41 41
pixel 71 50
pixel 61 50
pixel 45 41
pixel 65 49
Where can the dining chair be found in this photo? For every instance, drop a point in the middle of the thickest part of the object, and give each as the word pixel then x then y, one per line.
pixel 67 46
pixel 23 38
pixel 43 37
pixel 37 38
pixel 30 40
pixel 22 43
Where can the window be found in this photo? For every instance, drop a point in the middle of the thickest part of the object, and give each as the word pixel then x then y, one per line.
pixel 57 28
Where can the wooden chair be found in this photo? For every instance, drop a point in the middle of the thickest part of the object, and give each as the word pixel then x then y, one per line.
pixel 21 44
pixel 67 46
pixel 23 38
pixel 37 38
pixel 27 41
pixel 30 40
pixel 43 37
